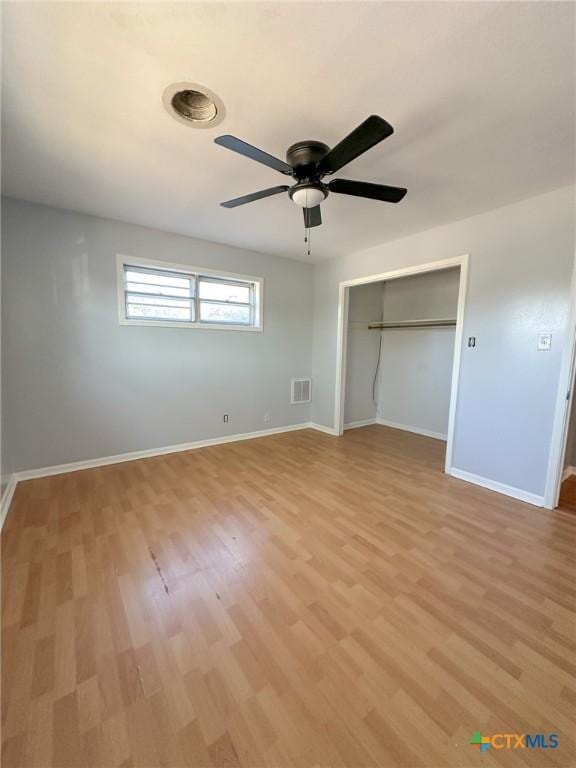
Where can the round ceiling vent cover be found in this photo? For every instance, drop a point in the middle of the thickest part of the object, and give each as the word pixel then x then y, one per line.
pixel 193 105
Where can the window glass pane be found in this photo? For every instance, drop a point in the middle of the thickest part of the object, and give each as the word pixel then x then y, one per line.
pixel 157 278
pixel 159 308
pixel 224 313
pixel 220 291
pixel 160 301
pixel 157 290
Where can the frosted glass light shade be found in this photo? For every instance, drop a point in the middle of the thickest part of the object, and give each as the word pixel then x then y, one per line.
pixel 308 197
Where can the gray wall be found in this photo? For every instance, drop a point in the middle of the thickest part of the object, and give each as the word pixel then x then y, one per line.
pixel 77 385
pixel 365 306
pixel 521 259
pixel 416 363
pixel 429 296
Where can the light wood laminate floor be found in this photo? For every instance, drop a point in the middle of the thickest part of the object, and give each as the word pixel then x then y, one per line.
pixel 297 600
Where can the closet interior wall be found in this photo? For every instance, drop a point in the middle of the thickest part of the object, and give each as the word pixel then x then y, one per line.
pixel 411 389
pixel 570 453
pixel 364 307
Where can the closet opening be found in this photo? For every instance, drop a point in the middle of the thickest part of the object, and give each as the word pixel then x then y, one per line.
pixel 561 481
pixel 567 495
pixel 400 339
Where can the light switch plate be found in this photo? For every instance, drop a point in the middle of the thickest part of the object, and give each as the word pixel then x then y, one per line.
pixel 544 342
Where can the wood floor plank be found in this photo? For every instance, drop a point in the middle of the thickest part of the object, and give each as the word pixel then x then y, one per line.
pixel 295 601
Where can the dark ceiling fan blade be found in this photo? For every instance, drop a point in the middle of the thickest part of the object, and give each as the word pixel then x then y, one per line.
pixel 312 216
pixel 254 196
pixel 373 130
pixel 237 145
pixel 364 189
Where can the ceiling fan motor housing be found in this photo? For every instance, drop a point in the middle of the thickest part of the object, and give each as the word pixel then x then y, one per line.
pixel 303 157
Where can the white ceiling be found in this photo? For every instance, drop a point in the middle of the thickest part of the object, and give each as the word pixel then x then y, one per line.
pixel 481 96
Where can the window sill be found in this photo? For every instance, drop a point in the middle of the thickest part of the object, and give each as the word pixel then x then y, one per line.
pixel 197 326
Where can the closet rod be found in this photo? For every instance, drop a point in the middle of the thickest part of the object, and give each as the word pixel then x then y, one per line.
pixel 412 324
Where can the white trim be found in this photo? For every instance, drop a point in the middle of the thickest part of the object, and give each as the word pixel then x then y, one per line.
pixel 356 424
pixel 568 472
pixel 564 402
pixel 341 348
pixel 258 282
pixel 431 266
pixel 327 430
pixel 492 485
pixel 415 430
pixel 6 499
pixel 395 425
pixel 458 339
pixel 343 292
pixel 197 326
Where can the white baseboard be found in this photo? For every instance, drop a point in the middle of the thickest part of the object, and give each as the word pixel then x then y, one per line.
pixel 568 471
pixel 416 430
pixel 6 499
pixel 356 424
pixel 326 430
pixel 507 490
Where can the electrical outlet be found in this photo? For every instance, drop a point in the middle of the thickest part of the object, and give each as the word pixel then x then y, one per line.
pixel 266 418
pixel 544 342
pixel 226 418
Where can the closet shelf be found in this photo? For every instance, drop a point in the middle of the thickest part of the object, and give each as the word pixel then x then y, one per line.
pixel 380 326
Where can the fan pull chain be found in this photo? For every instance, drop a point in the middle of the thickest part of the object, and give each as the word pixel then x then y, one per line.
pixel 307 238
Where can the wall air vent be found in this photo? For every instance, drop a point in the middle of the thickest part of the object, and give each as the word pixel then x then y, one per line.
pixel 301 391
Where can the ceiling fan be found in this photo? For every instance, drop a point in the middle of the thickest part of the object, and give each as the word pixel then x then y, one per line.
pixel 308 162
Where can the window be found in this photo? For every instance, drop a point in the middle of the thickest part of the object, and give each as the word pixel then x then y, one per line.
pixel 172 295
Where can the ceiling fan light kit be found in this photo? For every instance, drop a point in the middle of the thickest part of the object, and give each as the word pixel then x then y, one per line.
pixel 308 162
pixel 308 195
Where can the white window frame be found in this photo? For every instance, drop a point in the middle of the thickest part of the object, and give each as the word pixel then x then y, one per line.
pixel 256 286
